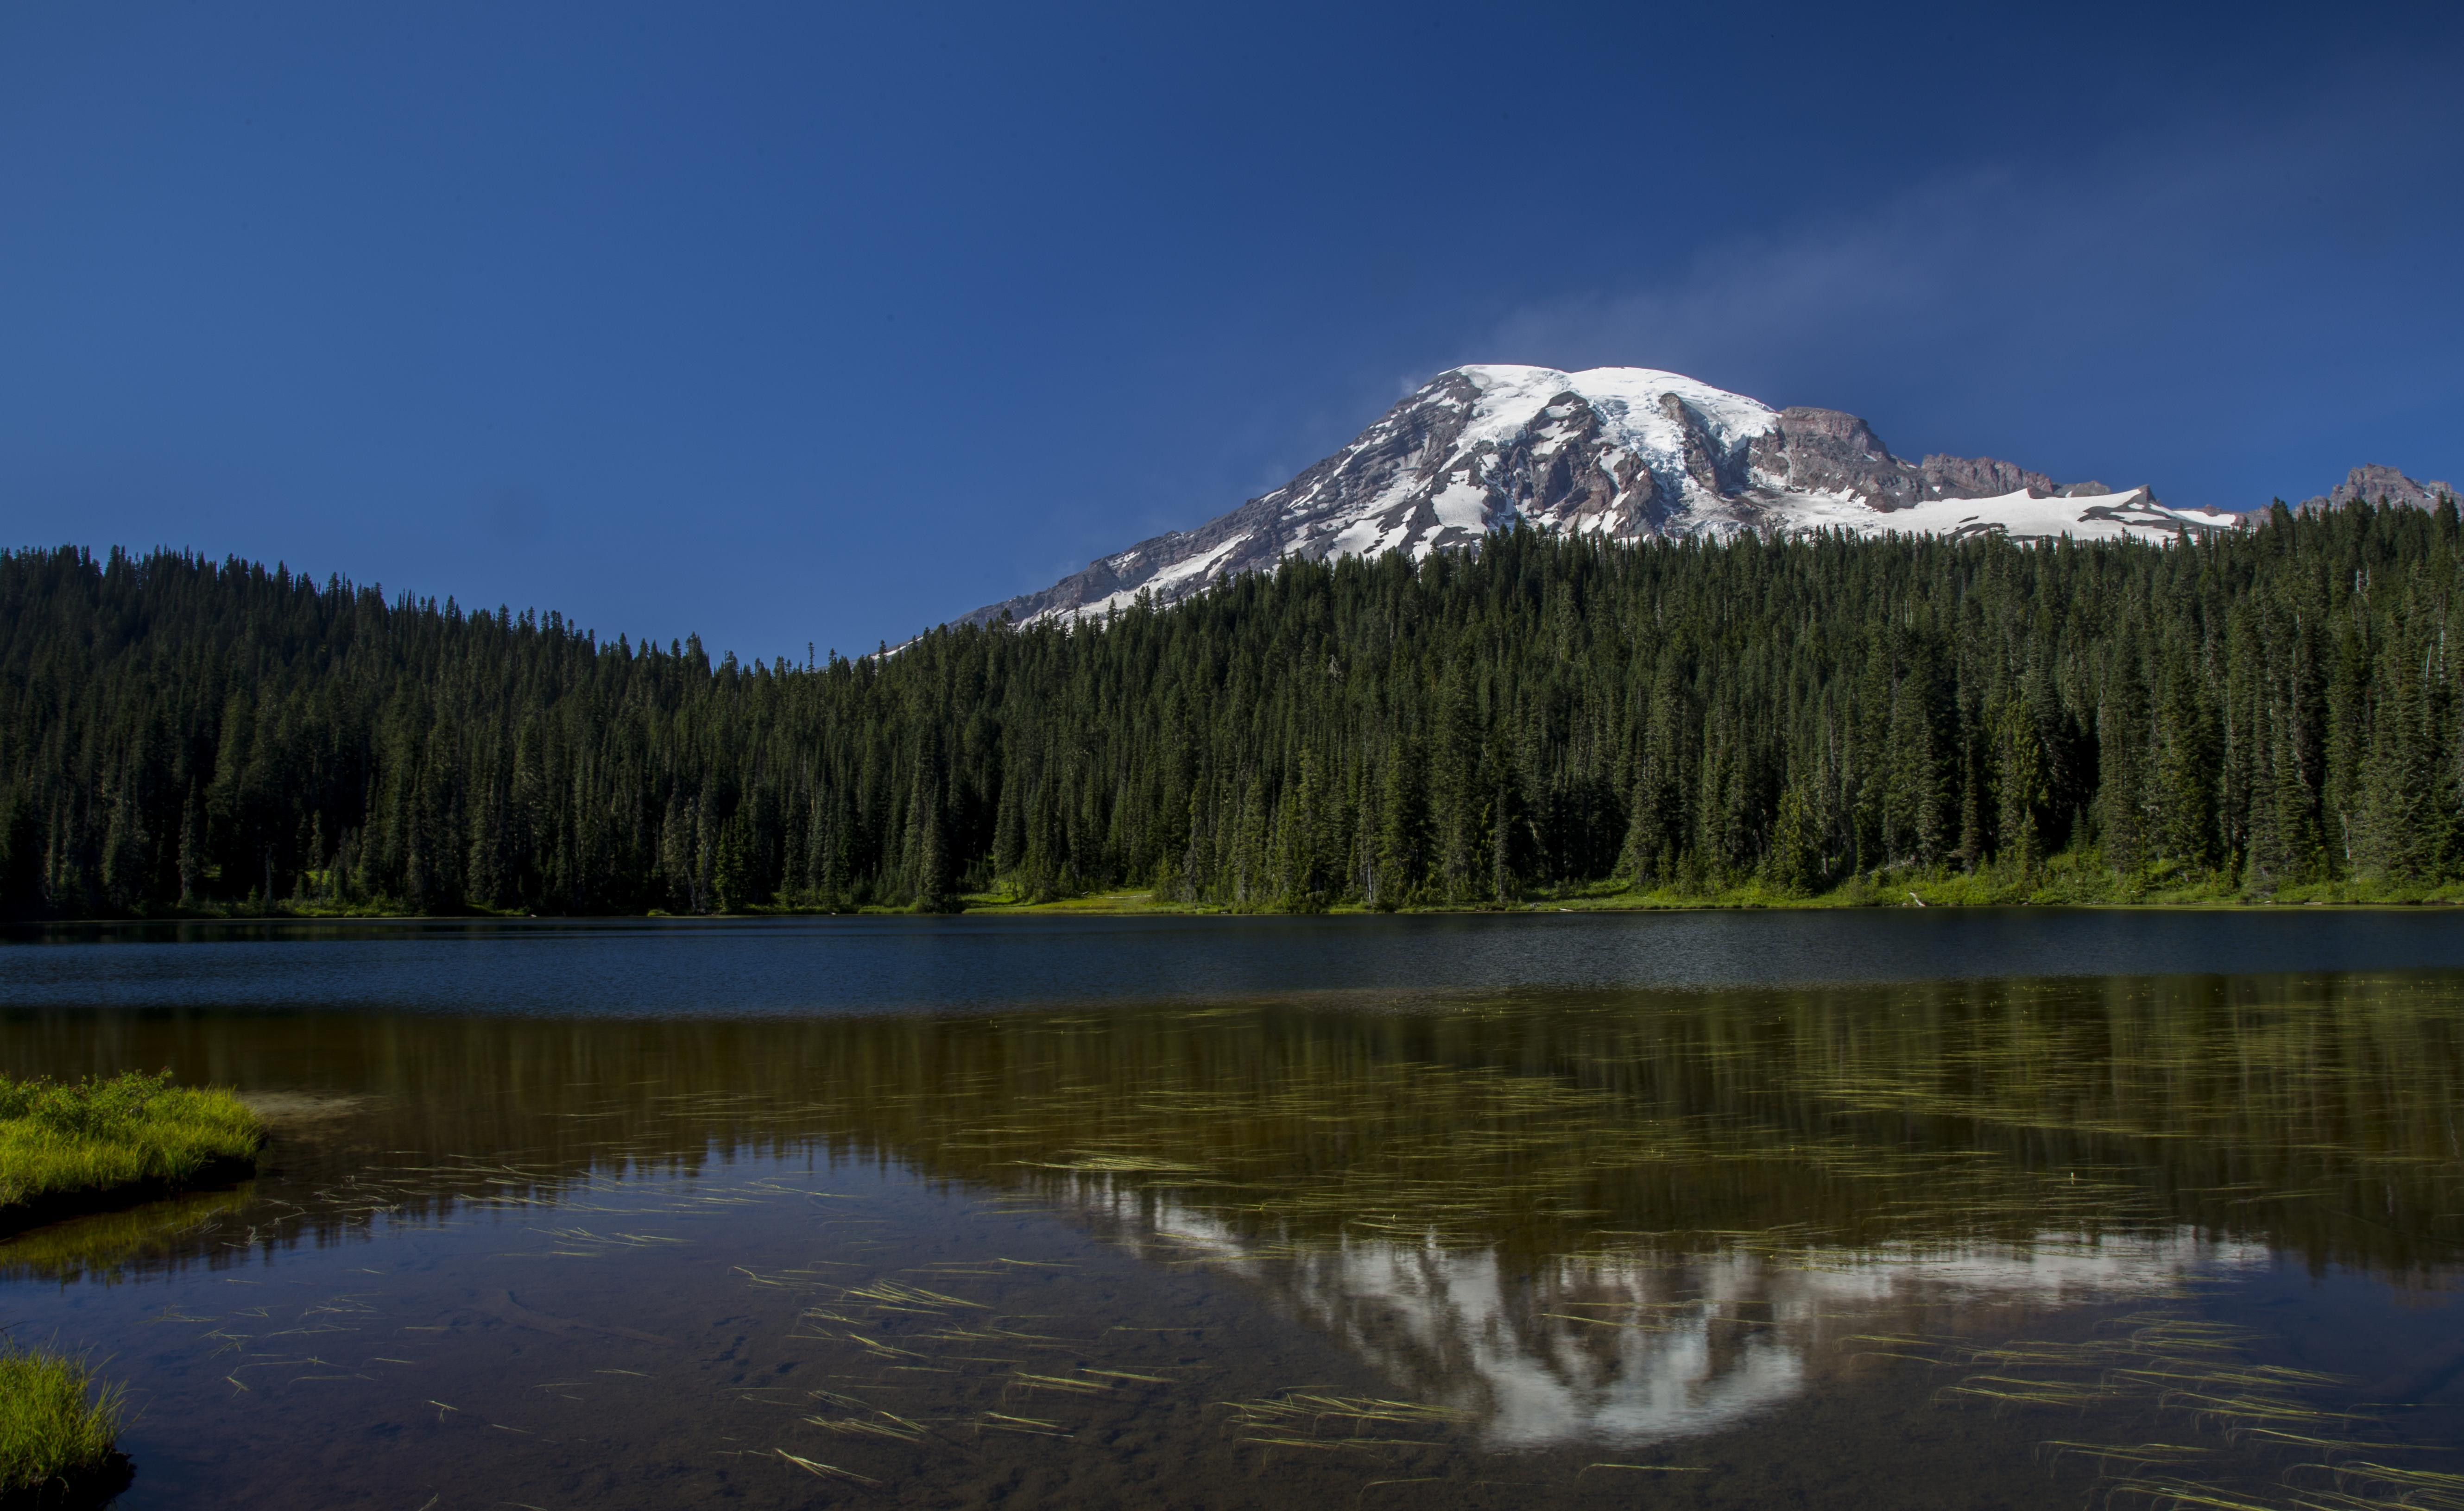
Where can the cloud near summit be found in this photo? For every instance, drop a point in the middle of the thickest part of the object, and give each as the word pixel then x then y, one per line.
pixel 2071 317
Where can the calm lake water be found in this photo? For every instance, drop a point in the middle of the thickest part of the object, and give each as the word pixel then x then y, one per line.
pixel 1942 1209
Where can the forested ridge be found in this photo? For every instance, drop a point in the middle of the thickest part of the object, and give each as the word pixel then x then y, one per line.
pixel 2256 713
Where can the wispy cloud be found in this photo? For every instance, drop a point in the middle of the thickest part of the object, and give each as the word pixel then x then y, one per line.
pixel 2259 281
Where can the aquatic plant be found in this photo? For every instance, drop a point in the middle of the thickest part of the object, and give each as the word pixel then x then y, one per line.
pixel 1584 1229
pixel 57 1428
pixel 2193 1379
pixel 2313 1115
pixel 68 1138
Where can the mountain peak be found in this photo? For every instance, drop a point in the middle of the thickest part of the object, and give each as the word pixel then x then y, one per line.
pixel 1627 452
pixel 2378 485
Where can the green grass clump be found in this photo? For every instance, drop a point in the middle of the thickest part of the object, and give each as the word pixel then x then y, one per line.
pixel 56 1428
pixel 68 1138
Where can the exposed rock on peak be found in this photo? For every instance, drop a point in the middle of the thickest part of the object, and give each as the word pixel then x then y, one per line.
pixel 1826 452
pixel 1626 452
pixel 2379 484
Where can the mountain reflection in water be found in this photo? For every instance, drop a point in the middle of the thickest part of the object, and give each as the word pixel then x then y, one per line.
pixel 1608 1216
pixel 1634 1350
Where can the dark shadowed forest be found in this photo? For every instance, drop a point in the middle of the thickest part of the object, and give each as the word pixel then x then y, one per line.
pixel 2272 712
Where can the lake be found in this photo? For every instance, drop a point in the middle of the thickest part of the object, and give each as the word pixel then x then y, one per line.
pixel 1990 1209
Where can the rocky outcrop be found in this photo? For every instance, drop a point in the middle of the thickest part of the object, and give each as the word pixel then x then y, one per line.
pixel 2379 484
pixel 1982 478
pixel 1826 452
pixel 1625 452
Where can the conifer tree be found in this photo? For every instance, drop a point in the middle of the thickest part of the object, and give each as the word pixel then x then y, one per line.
pixel 2267 710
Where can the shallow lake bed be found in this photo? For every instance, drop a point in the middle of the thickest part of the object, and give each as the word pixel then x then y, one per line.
pixel 1320 1211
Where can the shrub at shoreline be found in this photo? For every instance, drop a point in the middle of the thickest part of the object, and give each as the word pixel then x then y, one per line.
pixel 65 1143
pixel 57 1429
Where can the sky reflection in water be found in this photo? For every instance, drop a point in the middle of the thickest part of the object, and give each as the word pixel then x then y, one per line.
pixel 1233 1248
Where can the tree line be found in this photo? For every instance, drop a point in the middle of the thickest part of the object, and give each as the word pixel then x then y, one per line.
pixel 2251 712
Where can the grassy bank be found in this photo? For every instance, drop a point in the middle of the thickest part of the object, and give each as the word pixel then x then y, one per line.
pixel 2063 882
pixel 69 1143
pixel 2071 879
pixel 1602 897
pixel 57 1429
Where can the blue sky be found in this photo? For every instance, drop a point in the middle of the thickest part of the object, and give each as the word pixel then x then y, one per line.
pixel 806 324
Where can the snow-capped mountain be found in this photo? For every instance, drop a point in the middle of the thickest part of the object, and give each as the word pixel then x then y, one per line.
pixel 1626 452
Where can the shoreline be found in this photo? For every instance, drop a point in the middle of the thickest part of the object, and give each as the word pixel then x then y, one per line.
pixel 1130 903
pixel 224 1172
pixel 69 1149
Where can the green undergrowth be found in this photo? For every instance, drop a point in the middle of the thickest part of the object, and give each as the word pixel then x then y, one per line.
pixel 2069 880
pixel 2072 879
pixel 2059 883
pixel 2065 882
pixel 56 1426
pixel 69 1139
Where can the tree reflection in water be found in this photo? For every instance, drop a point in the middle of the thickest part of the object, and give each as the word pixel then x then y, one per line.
pixel 1568 1218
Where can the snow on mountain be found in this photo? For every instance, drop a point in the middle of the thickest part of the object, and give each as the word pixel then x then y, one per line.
pixel 2022 516
pixel 1626 452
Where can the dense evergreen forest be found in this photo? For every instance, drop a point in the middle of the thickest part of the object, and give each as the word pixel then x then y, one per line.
pixel 2266 713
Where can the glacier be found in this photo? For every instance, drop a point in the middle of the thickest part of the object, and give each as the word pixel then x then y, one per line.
pixel 1628 453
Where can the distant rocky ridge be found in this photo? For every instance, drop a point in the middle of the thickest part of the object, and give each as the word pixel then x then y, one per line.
pixel 2372 483
pixel 1626 452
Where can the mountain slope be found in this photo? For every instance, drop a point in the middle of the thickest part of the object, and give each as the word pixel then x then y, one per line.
pixel 1627 452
